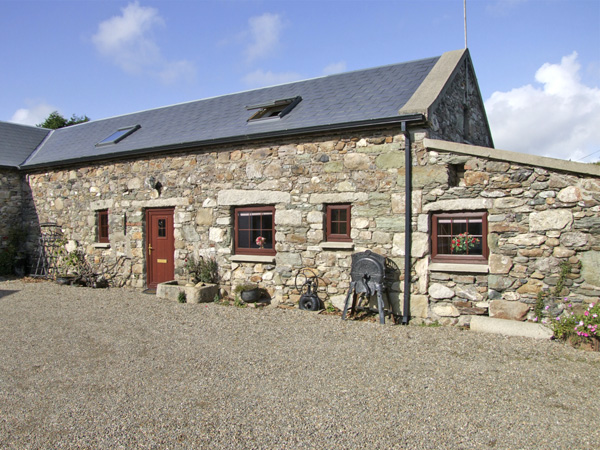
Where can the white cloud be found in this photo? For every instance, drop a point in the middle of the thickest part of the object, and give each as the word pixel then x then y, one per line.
pixel 260 78
pixel 337 67
pixel 264 32
pixel 559 118
pixel 128 42
pixel 34 114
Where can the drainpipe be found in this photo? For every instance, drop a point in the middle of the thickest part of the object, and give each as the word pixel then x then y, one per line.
pixel 407 222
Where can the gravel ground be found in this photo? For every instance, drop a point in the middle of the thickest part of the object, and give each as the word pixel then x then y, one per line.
pixel 84 368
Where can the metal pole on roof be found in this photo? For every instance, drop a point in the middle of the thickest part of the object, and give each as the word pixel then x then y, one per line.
pixel 465 16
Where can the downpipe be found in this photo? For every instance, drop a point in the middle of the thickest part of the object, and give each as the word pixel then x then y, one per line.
pixel 407 223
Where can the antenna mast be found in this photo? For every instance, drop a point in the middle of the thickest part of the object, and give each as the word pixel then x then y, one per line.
pixel 465 15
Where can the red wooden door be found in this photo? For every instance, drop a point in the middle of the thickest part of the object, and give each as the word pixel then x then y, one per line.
pixel 160 248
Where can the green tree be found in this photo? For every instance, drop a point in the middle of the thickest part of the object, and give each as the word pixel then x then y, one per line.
pixel 55 120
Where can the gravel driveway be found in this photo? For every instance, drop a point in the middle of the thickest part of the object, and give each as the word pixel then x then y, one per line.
pixel 106 369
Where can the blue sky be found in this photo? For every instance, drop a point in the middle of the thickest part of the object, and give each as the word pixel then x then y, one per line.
pixel 537 61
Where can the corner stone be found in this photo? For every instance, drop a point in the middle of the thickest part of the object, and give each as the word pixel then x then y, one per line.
pixel 502 309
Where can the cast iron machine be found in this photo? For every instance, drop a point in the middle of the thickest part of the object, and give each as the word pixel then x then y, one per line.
pixel 367 278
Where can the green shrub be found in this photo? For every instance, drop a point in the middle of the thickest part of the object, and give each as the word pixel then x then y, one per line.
pixel 202 270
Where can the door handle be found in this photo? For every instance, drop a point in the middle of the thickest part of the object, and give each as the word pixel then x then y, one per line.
pixel 149 249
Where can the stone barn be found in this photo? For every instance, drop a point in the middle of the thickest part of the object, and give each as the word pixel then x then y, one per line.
pixel 398 160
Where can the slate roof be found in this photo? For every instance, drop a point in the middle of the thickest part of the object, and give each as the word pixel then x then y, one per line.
pixel 17 142
pixel 327 102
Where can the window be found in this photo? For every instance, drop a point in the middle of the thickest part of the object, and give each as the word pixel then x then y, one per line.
pixel 255 231
pixel 459 237
pixel 273 110
pixel 118 135
pixel 338 223
pixel 102 221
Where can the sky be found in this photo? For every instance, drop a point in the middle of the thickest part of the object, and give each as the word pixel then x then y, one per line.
pixel 537 61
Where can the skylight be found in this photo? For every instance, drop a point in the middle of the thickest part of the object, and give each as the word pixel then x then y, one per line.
pixel 118 135
pixel 273 110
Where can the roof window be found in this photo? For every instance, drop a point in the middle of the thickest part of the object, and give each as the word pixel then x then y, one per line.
pixel 118 135
pixel 273 110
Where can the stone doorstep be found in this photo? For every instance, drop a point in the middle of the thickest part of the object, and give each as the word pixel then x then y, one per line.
pixel 510 327
pixel 204 293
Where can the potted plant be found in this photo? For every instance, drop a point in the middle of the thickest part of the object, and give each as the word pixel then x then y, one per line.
pixel 249 293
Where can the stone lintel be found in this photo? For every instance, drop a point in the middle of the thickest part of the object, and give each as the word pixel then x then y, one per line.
pixel 342 197
pixel 162 202
pixel 459 205
pixel 101 204
pixel 241 197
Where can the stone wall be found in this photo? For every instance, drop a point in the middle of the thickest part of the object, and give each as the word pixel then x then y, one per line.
pixel 539 220
pixel 459 115
pixel 10 202
pixel 204 186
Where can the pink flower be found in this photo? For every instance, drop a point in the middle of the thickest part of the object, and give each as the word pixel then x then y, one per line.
pixel 587 313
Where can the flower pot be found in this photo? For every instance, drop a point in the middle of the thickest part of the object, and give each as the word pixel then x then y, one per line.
pixel 251 296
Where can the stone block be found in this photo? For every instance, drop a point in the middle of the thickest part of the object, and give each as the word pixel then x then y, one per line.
pixel 393 160
pixel 502 309
pixel 533 286
pixel 574 239
pixel 570 194
pixel 440 291
pixel 419 306
pixel 357 161
pixel 241 197
pixel 291 217
pixel 590 267
pixel 468 292
pixel 553 219
pixel 424 175
pixel 463 204
pixel 510 327
pixel 499 282
pixel 499 263
pixel 445 310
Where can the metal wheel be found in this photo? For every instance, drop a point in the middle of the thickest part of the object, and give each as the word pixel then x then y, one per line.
pixel 306 279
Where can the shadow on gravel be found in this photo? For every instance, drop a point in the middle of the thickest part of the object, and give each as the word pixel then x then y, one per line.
pixel 6 293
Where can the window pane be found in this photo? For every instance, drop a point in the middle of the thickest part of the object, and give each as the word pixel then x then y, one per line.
pixel 244 220
pixel 459 226
pixel 444 227
pixel 162 228
pixel 477 248
pixel 256 221
pixel 243 239
pixel 267 220
pixel 476 227
pixel 268 235
pixel 444 245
